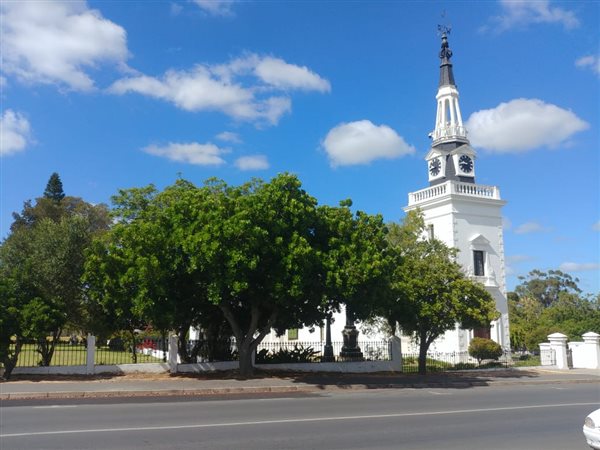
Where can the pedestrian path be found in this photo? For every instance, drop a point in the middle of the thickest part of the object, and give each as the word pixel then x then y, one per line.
pixel 213 384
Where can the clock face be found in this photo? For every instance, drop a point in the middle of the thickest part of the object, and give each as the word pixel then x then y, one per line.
pixel 465 163
pixel 434 167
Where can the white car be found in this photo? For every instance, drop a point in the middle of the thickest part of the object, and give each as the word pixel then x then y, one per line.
pixel 591 429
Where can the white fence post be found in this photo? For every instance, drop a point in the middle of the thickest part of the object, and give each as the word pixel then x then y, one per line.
pixel 396 353
pixel 558 342
pixel 173 350
pixel 90 354
pixel 591 342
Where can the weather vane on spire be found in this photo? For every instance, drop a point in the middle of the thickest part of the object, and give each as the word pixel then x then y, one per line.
pixel 443 32
pixel 444 29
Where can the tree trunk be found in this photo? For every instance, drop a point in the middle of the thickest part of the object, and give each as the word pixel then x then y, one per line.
pixel 245 354
pixel 46 349
pixel 423 347
pixel 182 347
pixel 11 361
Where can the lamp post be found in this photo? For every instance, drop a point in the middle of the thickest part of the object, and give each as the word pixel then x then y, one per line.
pixel 328 349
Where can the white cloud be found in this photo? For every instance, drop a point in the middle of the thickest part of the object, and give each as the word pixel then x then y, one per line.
pixel 276 72
pixel 254 162
pixel 55 42
pixel 216 7
pixel 191 153
pixel 596 226
pixel 578 267
pixel 522 125
pixel 506 223
pixel 521 13
pixel 530 227
pixel 235 88
pixel 362 142
pixel 15 133
pixel 175 9
pixel 590 61
pixel 229 136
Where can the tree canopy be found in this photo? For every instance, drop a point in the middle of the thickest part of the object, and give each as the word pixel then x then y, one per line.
pixel 42 262
pixel 432 292
pixel 548 302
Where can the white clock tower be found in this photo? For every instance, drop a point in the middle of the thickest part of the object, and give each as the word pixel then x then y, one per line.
pixel 461 213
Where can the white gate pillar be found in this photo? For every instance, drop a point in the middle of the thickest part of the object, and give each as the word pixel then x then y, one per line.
pixel 591 343
pixel 396 353
pixel 90 354
pixel 173 352
pixel 558 342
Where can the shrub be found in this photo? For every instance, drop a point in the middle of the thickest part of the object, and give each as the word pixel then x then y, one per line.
pixel 481 348
pixel 299 354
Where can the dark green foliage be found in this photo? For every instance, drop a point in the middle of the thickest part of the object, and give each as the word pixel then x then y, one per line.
pixel 481 348
pixel 298 354
pixel 54 188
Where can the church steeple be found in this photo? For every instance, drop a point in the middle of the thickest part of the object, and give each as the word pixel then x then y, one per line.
pixel 448 123
pixel 451 157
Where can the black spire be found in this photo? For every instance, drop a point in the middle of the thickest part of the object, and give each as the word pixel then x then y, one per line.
pixel 446 74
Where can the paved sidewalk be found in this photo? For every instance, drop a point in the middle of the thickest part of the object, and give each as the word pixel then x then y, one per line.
pixel 225 384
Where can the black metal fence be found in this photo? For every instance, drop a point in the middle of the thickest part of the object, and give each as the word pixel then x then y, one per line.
pixel 64 353
pixel 313 352
pixel 73 352
pixel 142 350
pixel 441 362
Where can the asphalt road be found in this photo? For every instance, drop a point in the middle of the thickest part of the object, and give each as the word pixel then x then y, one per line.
pixel 546 417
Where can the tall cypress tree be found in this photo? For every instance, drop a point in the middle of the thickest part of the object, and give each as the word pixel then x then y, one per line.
pixel 54 188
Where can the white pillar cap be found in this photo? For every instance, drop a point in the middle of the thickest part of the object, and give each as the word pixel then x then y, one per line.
pixel 557 337
pixel 590 336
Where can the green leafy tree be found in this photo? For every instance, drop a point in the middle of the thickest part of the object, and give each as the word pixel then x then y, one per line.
pixel 43 260
pixel 549 302
pixel 526 328
pixel 572 315
pixel 433 294
pixel 148 263
pixel 266 264
pixel 357 263
pixel 10 323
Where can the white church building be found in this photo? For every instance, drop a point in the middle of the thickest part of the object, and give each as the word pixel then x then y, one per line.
pixel 458 211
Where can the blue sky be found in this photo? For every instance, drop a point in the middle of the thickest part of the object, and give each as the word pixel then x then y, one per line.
pixel 118 94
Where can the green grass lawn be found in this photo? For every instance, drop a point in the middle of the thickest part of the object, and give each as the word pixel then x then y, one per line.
pixel 75 355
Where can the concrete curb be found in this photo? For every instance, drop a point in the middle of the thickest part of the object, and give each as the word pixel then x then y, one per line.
pixel 153 393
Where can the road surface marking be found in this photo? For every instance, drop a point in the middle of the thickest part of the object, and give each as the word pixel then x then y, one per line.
pixel 280 421
pixel 54 406
pixel 439 393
